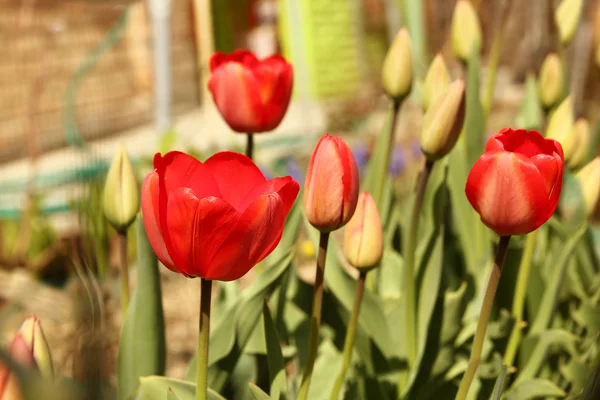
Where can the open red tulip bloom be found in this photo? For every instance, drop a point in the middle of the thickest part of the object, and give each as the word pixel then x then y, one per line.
pixel 515 185
pixel 214 220
pixel 252 95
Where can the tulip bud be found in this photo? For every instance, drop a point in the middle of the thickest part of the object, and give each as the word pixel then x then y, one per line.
pixel 331 185
pixel 589 182
pixel 583 138
pixel 466 30
pixel 560 127
pixel 29 347
pixel 566 17
pixel 121 192
pixel 363 236
pixel 436 81
pixel 551 79
pixel 396 74
pixel 443 121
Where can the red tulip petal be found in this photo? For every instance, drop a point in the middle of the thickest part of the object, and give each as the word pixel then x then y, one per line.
pixel 507 190
pixel 151 218
pixel 181 170
pixel 236 94
pixel 549 169
pixel 197 227
pixel 275 78
pixel 255 236
pixel 242 56
pixel 236 175
pixel 286 187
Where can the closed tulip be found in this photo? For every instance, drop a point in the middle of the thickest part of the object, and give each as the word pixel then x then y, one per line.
pixel 551 80
pixel 214 220
pixel 560 127
pixel 589 181
pixel 331 186
pixel 436 81
pixel 363 236
pixel 252 95
pixel 465 35
pixel 515 185
pixel 396 72
pixel 121 197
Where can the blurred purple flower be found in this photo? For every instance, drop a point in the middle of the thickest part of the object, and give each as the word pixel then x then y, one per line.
pixel 294 169
pixel 397 162
pixel 266 173
pixel 361 155
pixel 415 148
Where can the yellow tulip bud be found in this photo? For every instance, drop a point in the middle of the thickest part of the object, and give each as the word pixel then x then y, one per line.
pixel 583 138
pixel 397 74
pixel 560 127
pixel 466 30
pixel 589 181
pixel 363 236
pixel 121 192
pixel 443 121
pixel 551 81
pixel 566 17
pixel 436 81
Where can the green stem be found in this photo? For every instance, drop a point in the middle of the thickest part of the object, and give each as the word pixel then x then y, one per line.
pixel 124 269
pixel 204 329
pixel 409 264
pixel 250 145
pixel 484 317
pixel 350 336
pixel 519 299
pixel 315 323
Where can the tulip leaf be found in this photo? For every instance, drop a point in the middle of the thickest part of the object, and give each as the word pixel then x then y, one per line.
pixel 530 114
pixel 588 315
pixel 576 372
pixel 534 389
pixel 229 339
pixel 142 345
pixel 547 341
pixel 474 124
pixel 275 362
pixel 550 296
pixel 390 275
pixel 171 395
pixel 499 385
pixel 155 387
pixel 571 205
pixel 592 387
pixel 257 393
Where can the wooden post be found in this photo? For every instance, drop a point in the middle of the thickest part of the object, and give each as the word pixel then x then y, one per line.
pixel 204 45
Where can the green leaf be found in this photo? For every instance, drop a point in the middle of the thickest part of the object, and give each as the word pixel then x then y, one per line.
pixel 454 307
pixel 257 393
pixel 142 345
pixel 390 275
pixel 588 316
pixel 499 385
pixel 376 176
pixel 534 389
pixel 592 387
pixel 155 387
pixel 549 299
pixel 275 362
pixel 530 114
pixel 171 395
pixel 167 141
pixel 576 372
pixel 571 205
pixel 474 124
pixel 550 340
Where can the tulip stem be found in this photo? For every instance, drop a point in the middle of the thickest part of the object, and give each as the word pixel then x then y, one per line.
pixel 350 335
pixel 250 145
pixel 484 317
pixel 409 264
pixel 315 323
pixel 204 329
pixel 124 269
pixel 519 300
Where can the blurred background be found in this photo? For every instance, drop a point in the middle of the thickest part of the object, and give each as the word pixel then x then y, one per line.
pixel 78 78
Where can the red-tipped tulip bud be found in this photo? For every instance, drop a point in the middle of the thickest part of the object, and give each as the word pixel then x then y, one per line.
pixel 443 121
pixel 436 81
pixel 515 185
pixel 589 180
pixel 29 347
pixel 331 186
pixel 396 73
pixel 583 139
pixel 252 95
pixel 551 81
pixel 121 197
pixel 363 236
pixel 466 30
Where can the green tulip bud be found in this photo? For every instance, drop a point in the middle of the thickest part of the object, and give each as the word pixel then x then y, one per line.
pixel 397 74
pixel 443 121
pixel 583 138
pixel 121 192
pixel 560 127
pixel 551 81
pixel 589 182
pixel 436 81
pixel 363 235
pixel 566 17
pixel 466 30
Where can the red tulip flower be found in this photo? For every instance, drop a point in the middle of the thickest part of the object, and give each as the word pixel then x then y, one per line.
pixel 214 220
pixel 252 95
pixel 331 186
pixel 515 185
